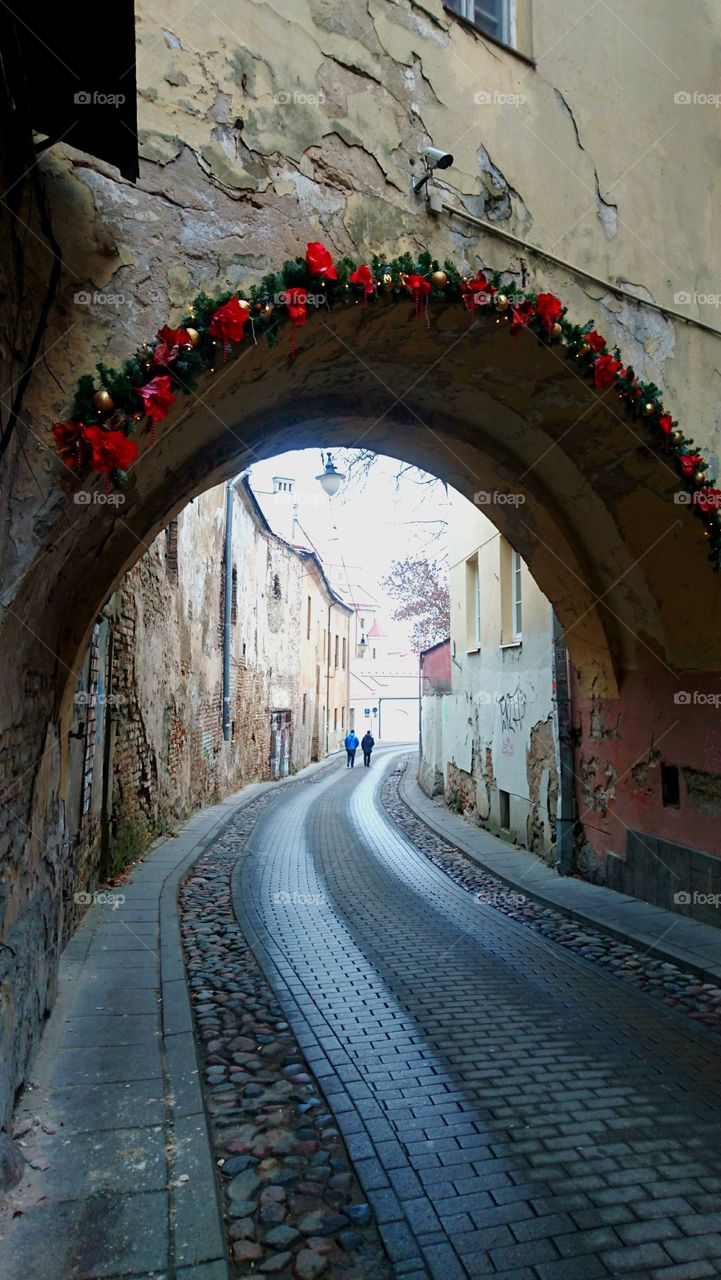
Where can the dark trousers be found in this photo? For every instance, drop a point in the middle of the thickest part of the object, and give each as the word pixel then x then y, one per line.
pixel 366 758
pixel 351 758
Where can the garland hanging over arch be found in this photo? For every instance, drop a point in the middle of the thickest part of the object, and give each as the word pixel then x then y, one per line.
pixel 107 410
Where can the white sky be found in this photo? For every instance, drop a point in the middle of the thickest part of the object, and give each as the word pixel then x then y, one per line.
pixel 371 522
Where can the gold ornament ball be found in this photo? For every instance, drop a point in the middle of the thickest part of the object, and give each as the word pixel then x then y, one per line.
pixel 584 349
pixel 103 402
pixel 648 408
pixel 699 477
pixel 439 279
pixel 502 303
pixel 677 436
pixel 556 331
pixel 194 337
pixel 244 306
pixel 387 282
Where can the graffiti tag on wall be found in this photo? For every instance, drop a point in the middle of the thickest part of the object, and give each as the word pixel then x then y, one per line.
pixel 513 709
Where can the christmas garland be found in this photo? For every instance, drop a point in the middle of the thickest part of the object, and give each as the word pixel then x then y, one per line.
pixel 108 410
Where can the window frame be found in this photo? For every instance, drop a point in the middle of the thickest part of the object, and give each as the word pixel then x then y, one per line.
pixel 516 596
pixel 507 32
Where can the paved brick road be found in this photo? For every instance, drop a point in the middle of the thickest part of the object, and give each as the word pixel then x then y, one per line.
pixel 511 1111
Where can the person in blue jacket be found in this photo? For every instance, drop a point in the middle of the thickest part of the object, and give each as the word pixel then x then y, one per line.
pixel 351 746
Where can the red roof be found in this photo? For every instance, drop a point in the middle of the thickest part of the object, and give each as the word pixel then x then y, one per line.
pixel 375 630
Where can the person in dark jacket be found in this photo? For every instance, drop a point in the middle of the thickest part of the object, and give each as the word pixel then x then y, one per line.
pixel 367 744
pixel 351 746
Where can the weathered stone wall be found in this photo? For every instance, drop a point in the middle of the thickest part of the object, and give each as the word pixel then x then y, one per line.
pixel 262 128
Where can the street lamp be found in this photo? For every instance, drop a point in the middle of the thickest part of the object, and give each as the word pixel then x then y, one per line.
pixel 329 479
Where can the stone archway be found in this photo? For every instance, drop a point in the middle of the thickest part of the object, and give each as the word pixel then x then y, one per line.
pixel 624 567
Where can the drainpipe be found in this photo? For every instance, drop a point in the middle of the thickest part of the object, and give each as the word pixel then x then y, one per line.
pixel 567 794
pixel 327 687
pixel 227 607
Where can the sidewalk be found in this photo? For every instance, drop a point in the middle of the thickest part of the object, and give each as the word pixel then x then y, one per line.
pixel 683 942
pixel 121 1179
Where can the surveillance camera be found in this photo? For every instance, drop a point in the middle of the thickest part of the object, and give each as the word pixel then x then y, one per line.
pixel 437 159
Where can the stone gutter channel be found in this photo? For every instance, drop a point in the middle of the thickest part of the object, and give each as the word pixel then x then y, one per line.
pixel 291 1203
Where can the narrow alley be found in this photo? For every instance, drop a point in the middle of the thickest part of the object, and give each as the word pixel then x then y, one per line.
pixel 508 1109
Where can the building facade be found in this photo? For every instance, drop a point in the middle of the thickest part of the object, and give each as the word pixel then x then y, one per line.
pixel 493 739
pixel 152 740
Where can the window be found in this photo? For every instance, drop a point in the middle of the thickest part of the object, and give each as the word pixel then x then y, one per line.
pixel 351 718
pixel 344 652
pixel 171 552
pixel 335 651
pixel 335 718
pixel 305 707
pixel 504 802
pixel 277 593
pixel 309 618
pixel 495 17
pixel 234 596
pixel 473 605
pixel 670 789
pixel 516 597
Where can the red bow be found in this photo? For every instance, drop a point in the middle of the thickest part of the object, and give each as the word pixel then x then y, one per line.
pixel 595 341
pixel 548 310
pixel 157 397
pixel 665 422
pixel 605 369
pixel 170 342
pixel 228 322
pixel 690 462
pixel 319 262
pixel 477 292
pixel 295 300
pixel 72 444
pixel 362 275
pixel 520 316
pixel 418 286
pixel 112 451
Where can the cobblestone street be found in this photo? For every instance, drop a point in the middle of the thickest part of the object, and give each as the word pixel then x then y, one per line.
pixel 510 1110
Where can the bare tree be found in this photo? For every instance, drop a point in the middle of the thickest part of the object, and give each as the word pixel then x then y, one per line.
pixel 420 588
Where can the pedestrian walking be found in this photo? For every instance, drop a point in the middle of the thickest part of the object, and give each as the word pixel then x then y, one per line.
pixel 351 746
pixel 367 744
